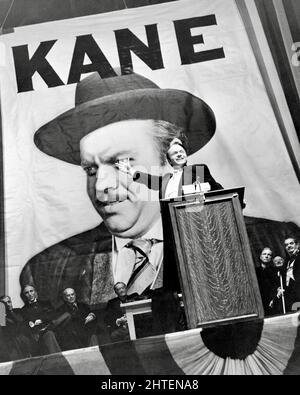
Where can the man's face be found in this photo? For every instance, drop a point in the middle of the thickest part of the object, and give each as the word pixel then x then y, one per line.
pixel 30 294
pixel 291 246
pixel 8 303
pixel 177 156
pixel 266 256
pixel 124 205
pixel 278 261
pixel 70 296
pixel 121 290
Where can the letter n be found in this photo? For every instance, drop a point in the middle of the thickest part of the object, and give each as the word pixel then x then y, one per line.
pixel 86 45
pixel 151 54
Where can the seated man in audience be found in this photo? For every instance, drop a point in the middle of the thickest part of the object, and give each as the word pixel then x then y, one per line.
pixel 115 319
pixel 13 336
pixel 77 325
pixel 38 318
pixel 266 279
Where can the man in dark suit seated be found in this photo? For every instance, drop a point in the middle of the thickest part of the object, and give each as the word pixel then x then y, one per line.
pixel 14 342
pixel 38 318
pixel 115 319
pixel 77 323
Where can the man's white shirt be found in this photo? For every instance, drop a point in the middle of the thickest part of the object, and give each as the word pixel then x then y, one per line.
pixel 173 184
pixel 122 262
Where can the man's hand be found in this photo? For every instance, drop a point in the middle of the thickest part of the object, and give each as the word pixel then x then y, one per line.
pixel 280 293
pixel 122 321
pixel 125 167
pixel 91 317
pixel 36 323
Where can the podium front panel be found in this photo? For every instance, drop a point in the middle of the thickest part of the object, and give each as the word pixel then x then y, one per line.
pixel 216 270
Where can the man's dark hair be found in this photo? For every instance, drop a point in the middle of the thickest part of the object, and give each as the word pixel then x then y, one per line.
pixel 293 237
pixel 25 286
pixel 164 133
pixel 267 248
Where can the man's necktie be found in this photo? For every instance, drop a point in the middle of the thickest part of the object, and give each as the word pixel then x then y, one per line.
pixel 290 272
pixel 143 272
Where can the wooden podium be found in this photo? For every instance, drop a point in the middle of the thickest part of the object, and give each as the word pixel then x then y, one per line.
pixel 216 271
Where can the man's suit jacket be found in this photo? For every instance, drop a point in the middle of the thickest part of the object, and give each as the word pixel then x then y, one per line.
pixel 113 311
pixel 292 291
pixel 190 174
pixel 79 315
pixel 16 337
pixel 72 332
pixel 268 283
pixel 38 311
pixel 74 263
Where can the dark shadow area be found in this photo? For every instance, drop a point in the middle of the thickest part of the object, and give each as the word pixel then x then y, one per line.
pixel 30 12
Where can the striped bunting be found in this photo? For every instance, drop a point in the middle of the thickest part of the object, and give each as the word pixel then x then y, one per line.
pixel 277 353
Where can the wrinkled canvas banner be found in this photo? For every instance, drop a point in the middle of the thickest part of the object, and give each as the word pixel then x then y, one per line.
pixel 200 47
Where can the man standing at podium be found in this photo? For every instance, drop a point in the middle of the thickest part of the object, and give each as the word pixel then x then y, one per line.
pixel 171 184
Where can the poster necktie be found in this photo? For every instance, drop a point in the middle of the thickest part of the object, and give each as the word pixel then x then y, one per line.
pixel 143 272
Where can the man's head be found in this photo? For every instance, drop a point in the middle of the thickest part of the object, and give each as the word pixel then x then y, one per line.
pixel 177 156
pixel 69 295
pixel 6 300
pixel 266 256
pixel 127 208
pixel 29 294
pixel 291 245
pixel 278 262
pixel 121 290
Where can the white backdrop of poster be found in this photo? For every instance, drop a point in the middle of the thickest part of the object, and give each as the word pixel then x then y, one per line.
pixel 45 199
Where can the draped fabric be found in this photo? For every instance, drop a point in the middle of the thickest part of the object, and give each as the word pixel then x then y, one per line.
pixel 2 240
pixel 292 9
pixel 28 12
pixel 277 353
pixel 271 26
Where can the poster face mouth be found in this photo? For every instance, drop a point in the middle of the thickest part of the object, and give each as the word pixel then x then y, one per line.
pixel 111 207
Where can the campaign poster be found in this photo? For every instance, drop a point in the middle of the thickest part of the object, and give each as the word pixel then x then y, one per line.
pixel 115 74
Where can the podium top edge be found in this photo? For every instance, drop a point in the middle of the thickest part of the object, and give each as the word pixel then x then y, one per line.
pixel 238 190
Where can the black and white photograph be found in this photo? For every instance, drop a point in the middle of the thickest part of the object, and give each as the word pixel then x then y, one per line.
pixel 149 189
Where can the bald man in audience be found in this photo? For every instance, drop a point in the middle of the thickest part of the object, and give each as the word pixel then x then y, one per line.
pixel 78 323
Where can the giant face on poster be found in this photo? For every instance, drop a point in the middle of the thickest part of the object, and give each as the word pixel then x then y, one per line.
pixel 81 96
